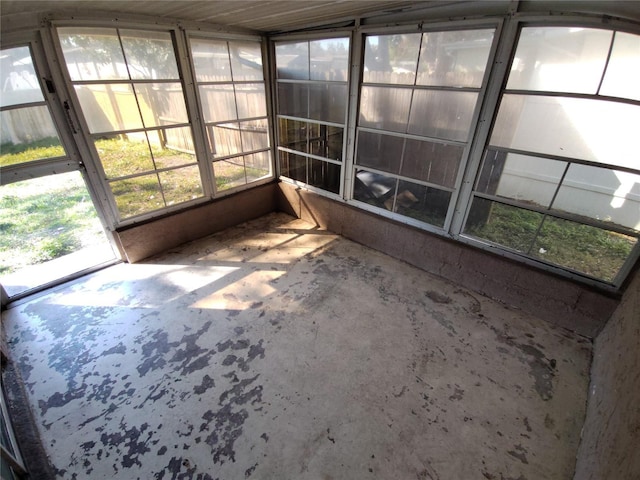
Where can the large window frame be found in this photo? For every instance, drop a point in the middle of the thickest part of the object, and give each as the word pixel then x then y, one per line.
pixel 195 121
pixel 489 96
pixel 301 166
pixel 482 148
pixel 430 188
pixel 208 126
pixel 150 131
pixel 462 192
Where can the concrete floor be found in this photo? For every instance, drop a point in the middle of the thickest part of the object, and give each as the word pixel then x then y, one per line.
pixel 275 350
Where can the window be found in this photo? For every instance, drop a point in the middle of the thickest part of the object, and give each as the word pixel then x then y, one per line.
pixel 231 87
pixel 312 82
pixel 559 179
pixel 129 89
pixel 28 130
pixel 418 99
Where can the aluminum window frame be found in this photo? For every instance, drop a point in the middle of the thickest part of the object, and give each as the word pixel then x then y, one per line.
pixel 481 145
pixel 310 37
pixel 495 23
pixel 176 38
pixel 68 162
pixel 202 124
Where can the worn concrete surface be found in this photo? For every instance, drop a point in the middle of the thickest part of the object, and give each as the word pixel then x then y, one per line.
pixel 610 446
pixel 278 350
pixel 555 299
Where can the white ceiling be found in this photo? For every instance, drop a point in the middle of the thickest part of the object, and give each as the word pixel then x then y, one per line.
pixel 260 15
pixel 275 16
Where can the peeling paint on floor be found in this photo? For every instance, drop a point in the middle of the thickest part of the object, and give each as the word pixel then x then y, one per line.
pixel 279 350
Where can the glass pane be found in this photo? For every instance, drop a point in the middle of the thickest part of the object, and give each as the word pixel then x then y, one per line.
pixel 426 204
pixel 258 165
pixel 43 219
pixel 596 252
pixel 385 108
pixel 328 102
pixel 149 55
pixel 138 195
pixel 597 130
pixel 225 140
pixel 560 59
pixel 210 60
pixel 177 143
pixel 601 194
pixel 391 58
pixel 246 60
pixel 161 104
pixel 454 59
pixel 181 184
pixel 124 156
pixel 18 77
pixel 293 99
pixel 109 108
pixel 293 134
pixel 324 175
pixel 431 162
pixel 292 60
pixel 229 173
pixel 28 134
pixel 326 141
pixel 442 114
pixel 255 135
pixel 374 189
pixel 172 147
pixel 382 152
pixel 524 178
pixel 623 72
pixel 504 225
pixel 251 100
pixel 92 53
pixel 293 166
pixel 330 59
pixel 218 103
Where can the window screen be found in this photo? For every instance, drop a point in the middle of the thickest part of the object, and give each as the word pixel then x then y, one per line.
pixel 417 103
pixel 312 107
pixel 559 181
pixel 131 96
pixel 231 87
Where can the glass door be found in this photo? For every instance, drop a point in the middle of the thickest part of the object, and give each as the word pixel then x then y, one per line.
pixel 50 230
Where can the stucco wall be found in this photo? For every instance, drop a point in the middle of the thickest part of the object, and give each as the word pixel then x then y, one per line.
pixel 553 298
pixel 610 446
pixel 156 236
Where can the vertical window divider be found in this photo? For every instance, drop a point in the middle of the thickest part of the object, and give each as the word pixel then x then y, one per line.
pixel 502 51
pixel 606 63
pixel 235 98
pixel 194 110
pixel 355 78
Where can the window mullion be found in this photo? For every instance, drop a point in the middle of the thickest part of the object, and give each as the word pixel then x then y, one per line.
pixel 503 49
pixel 196 117
pixel 356 61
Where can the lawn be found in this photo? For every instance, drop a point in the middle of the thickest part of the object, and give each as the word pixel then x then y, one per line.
pixel 45 218
pixel 590 250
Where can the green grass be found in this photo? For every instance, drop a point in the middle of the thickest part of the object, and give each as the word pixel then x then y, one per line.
pixel 45 218
pixel 11 154
pixel 590 250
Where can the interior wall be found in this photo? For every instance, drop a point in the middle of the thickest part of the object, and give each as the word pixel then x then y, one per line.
pixel 561 301
pixel 611 432
pixel 155 236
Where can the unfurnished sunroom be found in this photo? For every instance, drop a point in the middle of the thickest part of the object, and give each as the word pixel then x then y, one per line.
pixel 492 144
